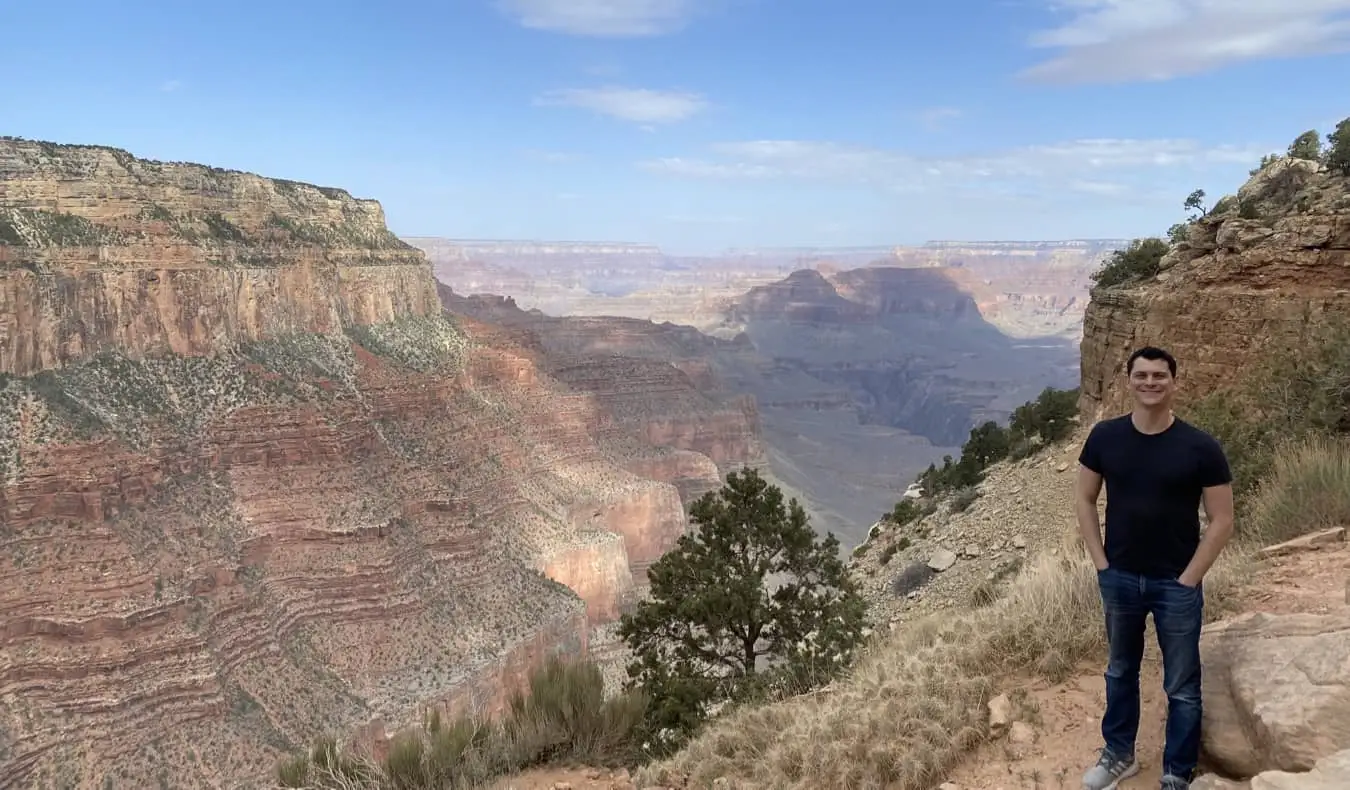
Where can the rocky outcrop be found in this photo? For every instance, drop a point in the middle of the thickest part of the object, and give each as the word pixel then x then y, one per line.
pixel 257 488
pixel 103 251
pixel 1260 271
pixel 1277 691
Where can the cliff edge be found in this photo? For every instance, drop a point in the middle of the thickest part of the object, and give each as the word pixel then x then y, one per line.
pixel 257 487
pixel 1261 270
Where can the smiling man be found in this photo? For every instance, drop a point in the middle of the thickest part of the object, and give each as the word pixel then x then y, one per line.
pixel 1157 470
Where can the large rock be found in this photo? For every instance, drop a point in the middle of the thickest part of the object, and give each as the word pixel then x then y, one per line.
pixel 1276 691
pixel 1330 773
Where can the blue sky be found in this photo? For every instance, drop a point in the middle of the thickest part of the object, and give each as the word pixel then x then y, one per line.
pixel 700 124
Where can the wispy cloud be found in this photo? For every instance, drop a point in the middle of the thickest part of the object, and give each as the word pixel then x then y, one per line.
pixel 639 105
pixel 1100 167
pixel 169 86
pixel 933 118
pixel 1136 40
pixel 602 18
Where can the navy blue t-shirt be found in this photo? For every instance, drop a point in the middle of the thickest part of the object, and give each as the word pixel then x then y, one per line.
pixel 1153 488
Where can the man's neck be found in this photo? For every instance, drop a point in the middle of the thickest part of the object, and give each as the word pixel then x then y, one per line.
pixel 1152 420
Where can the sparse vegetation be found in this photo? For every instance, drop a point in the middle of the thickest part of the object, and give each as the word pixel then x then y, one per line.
pixel 1301 389
pixel 562 717
pixel 1033 425
pixel 1141 260
pixel 422 343
pixel 748 602
pixel 23 227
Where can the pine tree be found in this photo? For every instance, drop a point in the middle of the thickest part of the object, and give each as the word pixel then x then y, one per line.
pixel 748 598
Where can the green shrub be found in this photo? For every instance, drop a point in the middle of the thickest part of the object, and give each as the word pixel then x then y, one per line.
pixel 963 499
pixel 1307 146
pixel 1139 261
pixel 1300 389
pixel 1337 155
pixel 1033 425
pixel 904 512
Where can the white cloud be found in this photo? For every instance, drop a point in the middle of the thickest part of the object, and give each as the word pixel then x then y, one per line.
pixel 603 18
pixel 639 105
pixel 1114 168
pixel 169 86
pixel 1130 40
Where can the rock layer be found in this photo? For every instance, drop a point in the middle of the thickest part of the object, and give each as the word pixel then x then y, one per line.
pixel 1261 271
pixel 256 487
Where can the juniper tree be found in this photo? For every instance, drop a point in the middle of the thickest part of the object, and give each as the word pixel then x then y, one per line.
pixel 749 598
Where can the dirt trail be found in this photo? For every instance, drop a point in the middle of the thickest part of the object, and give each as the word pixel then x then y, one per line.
pixel 1065 718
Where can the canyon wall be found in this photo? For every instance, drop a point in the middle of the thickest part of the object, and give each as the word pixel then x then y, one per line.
pixel 665 413
pixel 256 486
pixel 1259 272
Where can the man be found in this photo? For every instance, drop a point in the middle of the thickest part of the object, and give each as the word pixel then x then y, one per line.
pixel 1157 469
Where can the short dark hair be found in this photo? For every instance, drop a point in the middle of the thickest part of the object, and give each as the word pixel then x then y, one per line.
pixel 1151 353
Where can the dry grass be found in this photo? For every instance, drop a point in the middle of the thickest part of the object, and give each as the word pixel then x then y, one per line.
pixel 563 718
pixel 1308 489
pixel 915 704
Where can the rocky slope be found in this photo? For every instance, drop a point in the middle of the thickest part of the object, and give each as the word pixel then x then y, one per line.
pixel 666 414
pixel 1260 270
pixel 256 486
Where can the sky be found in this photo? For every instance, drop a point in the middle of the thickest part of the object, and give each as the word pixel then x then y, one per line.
pixel 700 125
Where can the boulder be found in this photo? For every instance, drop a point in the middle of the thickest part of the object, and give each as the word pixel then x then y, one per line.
pixel 1276 691
pixel 1329 773
pixel 941 560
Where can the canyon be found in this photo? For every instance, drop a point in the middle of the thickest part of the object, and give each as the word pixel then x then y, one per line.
pixel 865 365
pixel 257 485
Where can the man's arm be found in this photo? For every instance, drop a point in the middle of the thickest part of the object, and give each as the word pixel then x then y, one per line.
pixel 1218 502
pixel 1089 487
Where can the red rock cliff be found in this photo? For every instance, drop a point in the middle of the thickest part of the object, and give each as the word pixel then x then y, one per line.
pixel 1265 266
pixel 256 487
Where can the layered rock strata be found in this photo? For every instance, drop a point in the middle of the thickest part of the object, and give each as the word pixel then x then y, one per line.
pixel 1261 271
pixel 665 412
pixel 255 486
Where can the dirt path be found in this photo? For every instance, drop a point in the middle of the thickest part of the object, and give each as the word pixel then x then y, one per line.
pixel 1065 718
pixel 566 779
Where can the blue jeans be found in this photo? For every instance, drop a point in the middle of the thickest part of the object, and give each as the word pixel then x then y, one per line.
pixel 1178 612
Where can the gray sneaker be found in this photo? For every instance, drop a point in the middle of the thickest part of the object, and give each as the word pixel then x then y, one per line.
pixel 1170 782
pixel 1109 771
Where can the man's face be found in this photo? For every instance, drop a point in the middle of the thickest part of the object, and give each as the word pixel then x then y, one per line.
pixel 1151 382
